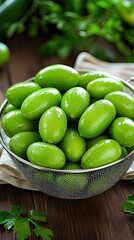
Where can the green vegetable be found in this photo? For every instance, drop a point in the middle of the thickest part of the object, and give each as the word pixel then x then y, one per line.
pixel 59 76
pixel 73 145
pixel 13 122
pixel 123 102
pixel 102 153
pixel 124 152
pixel 74 27
pixel 122 130
pixel 72 166
pixel 13 10
pixel 4 54
pixel 90 125
pixel 22 90
pixel 91 75
pixel 81 28
pixel 99 87
pixel 53 125
pixel 126 10
pixel 128 205
pixel 10 107
pixel 38 102
pixel 70 100
pixel 46 155
pixel 12 14
pixel 71 183
pixel 93 141
pixel 21 141
pixel 21 225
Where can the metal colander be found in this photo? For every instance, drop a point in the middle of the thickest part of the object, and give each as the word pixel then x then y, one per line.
pixel 71 184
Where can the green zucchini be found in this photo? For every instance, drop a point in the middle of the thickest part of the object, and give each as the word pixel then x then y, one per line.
pixel 13 10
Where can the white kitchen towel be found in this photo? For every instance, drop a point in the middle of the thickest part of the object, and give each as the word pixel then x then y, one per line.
pixel 86 61
pixel 9 174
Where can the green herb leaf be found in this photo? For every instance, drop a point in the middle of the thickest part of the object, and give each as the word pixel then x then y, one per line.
pixel 71 22
pixel 21 225
pixel 16 210
pixel 128 206
pixel 4 216
pixel 9 224
pixel 45 233
pixel 22 228
pixel 8 218
pixel 38 215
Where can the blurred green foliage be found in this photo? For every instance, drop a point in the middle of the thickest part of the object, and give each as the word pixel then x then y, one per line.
pixel 78 25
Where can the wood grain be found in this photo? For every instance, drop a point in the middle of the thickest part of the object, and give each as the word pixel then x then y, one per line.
pixel 96 218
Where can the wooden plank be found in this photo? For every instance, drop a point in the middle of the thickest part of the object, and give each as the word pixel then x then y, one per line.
pixel 98 218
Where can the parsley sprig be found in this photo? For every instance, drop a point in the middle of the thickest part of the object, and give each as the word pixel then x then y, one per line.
pixel 74 26
pixel 128 205
pixel 22 225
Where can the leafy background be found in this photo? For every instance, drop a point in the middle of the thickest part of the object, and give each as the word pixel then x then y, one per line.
pixel 78 25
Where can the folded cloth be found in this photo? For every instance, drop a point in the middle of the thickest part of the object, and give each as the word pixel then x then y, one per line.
pixel 9 174
pixel 86 61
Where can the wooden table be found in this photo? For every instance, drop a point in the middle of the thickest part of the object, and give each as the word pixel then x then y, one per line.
pixel 96 218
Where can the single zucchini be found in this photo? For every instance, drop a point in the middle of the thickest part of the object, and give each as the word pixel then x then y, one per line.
pixel 13 10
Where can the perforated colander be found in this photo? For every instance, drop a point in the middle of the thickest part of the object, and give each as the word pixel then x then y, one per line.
pixel 70 184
